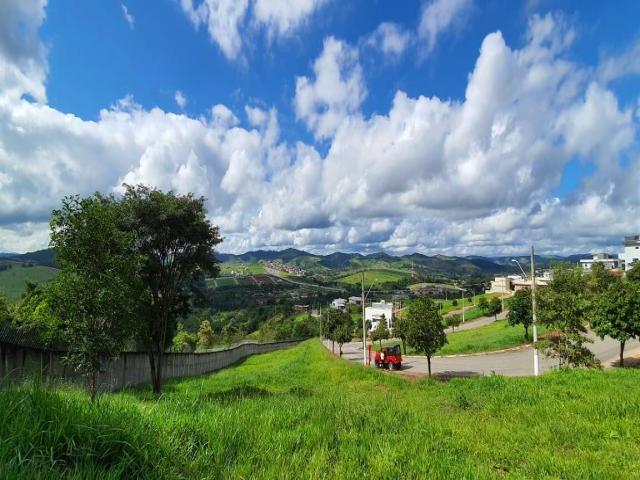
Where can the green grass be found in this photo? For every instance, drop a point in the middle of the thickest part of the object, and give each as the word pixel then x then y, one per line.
pixel 488 338
pixel 301 413
pixel 240 268
pixel 13 281
pixel 377 276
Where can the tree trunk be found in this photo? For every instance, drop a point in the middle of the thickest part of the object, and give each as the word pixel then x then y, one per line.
pixel 333 347
pixel 340 349
pixel 429 364
pixel 404 345
pixel 622 352
pixel 526 332
pixel 93 386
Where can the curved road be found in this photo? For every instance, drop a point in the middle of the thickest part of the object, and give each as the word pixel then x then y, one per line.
pixel 511 363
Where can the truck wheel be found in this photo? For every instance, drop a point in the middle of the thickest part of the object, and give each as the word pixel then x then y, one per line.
pixel 398 366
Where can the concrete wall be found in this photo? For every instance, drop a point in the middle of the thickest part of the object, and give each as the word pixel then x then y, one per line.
pixel 131 368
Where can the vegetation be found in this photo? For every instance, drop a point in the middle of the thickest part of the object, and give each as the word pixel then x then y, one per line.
pixel 94 296
pixel 520 311
pixel 14 280
pixel 300 413
pixel 617 313
pixel 494 307
pixel 453 321
pixel 175 243
pixel 381 332
pixel 564 307
pixel 488 338
pixel 425 332
pixel 401 330
pixel 376 276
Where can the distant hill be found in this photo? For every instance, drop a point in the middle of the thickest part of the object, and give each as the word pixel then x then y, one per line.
pixel 44 257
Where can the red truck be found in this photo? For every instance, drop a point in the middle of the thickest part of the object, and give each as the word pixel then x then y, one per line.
pixel 389 358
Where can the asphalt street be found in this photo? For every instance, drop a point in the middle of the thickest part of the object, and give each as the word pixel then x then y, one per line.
pixel 510 363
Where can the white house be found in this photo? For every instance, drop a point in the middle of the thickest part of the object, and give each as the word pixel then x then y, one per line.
pixel 631 252
pixel 605 259
pixel 355 300
pixel 339 304
pixel 376 311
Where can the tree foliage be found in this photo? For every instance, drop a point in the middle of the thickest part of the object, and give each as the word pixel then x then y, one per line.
pixel 494 307
pixel 401 329
pixel 426 331
pixel 483 304
pixel 381 332
pixel 184 341
pixel 633 275
pixel 453 321
pixel 616 313
pixel 206 336
pixel 344 331
pixel 564 306
pixel 520 311
pixel 175 243
pixel 94 296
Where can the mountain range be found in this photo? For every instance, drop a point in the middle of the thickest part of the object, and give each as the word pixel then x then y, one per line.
pixel 340 262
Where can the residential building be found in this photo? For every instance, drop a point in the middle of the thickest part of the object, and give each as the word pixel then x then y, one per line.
pixel 375 312
pixel 606 259
pixel 522 283
pixel 339 304
pixel 631 253
pixel 500 285
pixel 355 300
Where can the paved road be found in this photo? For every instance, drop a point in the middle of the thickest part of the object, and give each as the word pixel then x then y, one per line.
pixel 510 363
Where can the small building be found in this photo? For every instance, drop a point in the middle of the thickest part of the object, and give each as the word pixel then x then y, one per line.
pixel 355 300
pixel 606 259
pixel 631 253
pixel 500 285
pixel 375 312
pixel 339 304
pixel 522 283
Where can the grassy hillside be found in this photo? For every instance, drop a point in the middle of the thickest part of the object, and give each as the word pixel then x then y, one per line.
pixel 14 280
pixel 377 276
pixel 300 413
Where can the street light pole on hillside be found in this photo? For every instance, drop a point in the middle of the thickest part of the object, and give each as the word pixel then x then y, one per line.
pixel 536 364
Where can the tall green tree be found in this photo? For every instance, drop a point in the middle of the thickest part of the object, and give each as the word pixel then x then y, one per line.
pixel 94 296
pixel 616 313
pixel 599 279
pixel 206 336
pixel 381 332
pixel 520 311
pixel 184 341
pixel 344 331
pixel 453 321
pixel 483 304
pixel 426 331
pixel 564 306
pixel 330 326
pixel 494 308
pixel 400 330
pixel 176 244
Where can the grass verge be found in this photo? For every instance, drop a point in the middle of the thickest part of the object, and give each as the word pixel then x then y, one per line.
pixel 300 413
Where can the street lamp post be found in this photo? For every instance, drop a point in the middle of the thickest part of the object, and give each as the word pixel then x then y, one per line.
pixel 536 363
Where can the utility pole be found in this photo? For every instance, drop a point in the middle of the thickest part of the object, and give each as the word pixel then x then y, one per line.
pixel 463 306
pixel 364 328
pixel 321 321
pixel 536 364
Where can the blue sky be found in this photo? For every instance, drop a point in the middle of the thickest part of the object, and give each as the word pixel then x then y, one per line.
pixel 476 126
